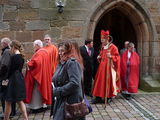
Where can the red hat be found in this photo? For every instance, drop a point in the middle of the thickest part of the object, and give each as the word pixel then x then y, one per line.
pixel 104 34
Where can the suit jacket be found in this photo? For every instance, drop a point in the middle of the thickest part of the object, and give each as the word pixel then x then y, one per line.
pixel 87 60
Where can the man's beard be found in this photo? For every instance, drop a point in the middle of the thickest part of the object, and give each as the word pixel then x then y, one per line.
pixel 46 44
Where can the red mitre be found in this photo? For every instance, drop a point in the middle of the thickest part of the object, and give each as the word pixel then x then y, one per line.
pixel 104 34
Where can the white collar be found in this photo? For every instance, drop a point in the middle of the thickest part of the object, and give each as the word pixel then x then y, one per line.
pixel 106 46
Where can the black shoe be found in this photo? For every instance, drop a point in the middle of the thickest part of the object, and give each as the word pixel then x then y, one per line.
pixel 38 110
pixel 109 100
pixel 128 96
pixel 97 100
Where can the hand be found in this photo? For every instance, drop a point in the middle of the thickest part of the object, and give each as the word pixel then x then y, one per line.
pixel 108 55
pixel 98 57
pixel 5 82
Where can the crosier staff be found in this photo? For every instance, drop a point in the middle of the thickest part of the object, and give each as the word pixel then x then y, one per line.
pixel 108 64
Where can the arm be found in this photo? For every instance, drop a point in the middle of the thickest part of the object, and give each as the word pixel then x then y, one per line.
pixel 5 62
pixel 74 75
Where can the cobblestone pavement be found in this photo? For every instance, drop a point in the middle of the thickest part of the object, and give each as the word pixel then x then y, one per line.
pixel 144 106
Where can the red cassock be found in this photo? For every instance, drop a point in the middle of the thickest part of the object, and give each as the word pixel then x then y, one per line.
pixel 53 55
pixel 133 74
pixel 113 85
pixel 39 70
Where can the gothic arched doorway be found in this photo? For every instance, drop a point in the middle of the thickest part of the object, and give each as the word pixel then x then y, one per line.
pixel 119 26
pixel 126 20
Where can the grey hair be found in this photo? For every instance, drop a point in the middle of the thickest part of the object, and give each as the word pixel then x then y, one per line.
pixel 130 44
pixel 6 40
pixel 38 42
pixel 47 35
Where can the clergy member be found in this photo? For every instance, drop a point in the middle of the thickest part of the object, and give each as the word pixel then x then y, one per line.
pixel 52 52
pixel 107 79
pixel 38 78
pixel 129 72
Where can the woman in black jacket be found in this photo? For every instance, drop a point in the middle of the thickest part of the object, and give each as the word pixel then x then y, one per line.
pixel 16 91
pixel 67 90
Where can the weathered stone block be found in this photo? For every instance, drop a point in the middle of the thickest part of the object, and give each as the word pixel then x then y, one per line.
pixel 54 33
pixel 59 23
pixel 76 23
pixel 9 34
pixel 46 14
pixel 0 13
pixel 10 16
pixel 44 3
pixel 2 2
pixel 27 14
pixel 28 47
pixel 71 32
pixel 38 25
pixel 24 4
pixel 146 49
pixel 145 65
pixel 17 25
pixel 155 49
pixel 72 15
pixel 8 8
pixel 4 26
pixel 156 19
pixel 37 35
pixel 35 3
pixel 24 36
pixel 67 14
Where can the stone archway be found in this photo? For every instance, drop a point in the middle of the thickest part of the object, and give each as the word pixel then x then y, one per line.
pixel 142 25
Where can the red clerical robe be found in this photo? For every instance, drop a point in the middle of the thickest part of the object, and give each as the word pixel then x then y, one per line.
pixel 39 70
pixel 133 75
pixel 113 85
pixel 53 55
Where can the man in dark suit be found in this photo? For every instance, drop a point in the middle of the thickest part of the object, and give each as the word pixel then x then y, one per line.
pixel 4 62
pixel 87 55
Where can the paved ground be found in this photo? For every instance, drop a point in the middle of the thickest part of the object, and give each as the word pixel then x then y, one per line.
pixel 143 106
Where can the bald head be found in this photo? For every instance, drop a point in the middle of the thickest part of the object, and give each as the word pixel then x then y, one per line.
pixel 126 44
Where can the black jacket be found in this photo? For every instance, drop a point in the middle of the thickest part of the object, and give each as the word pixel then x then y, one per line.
pixel 87 60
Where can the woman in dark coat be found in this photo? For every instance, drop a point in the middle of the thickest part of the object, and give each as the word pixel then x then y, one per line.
pixel 16 91
pixel 70 90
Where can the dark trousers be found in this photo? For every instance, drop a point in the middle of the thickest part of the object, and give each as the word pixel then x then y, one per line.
pixel 13 112
pixel 87 82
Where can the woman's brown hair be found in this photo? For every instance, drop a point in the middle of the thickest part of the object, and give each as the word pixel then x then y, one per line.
pixel 71 50
pixel 17 45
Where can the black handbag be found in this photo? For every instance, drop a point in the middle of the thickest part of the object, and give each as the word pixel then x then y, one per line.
pixel 76 110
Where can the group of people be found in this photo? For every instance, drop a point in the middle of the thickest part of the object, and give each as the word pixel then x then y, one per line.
pixel 34 89
pixel 54 76
pixel 116 72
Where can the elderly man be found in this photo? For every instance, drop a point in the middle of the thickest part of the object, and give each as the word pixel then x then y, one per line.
pixel 107 79
pixel 38 79
pixel 52 52
pixel 129 72
pixel 125 47
pixel 4 62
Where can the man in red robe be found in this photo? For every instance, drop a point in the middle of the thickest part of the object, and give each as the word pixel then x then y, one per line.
pixel 107 79
pixel 38 78
pixel 52 52
pixel 129 71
